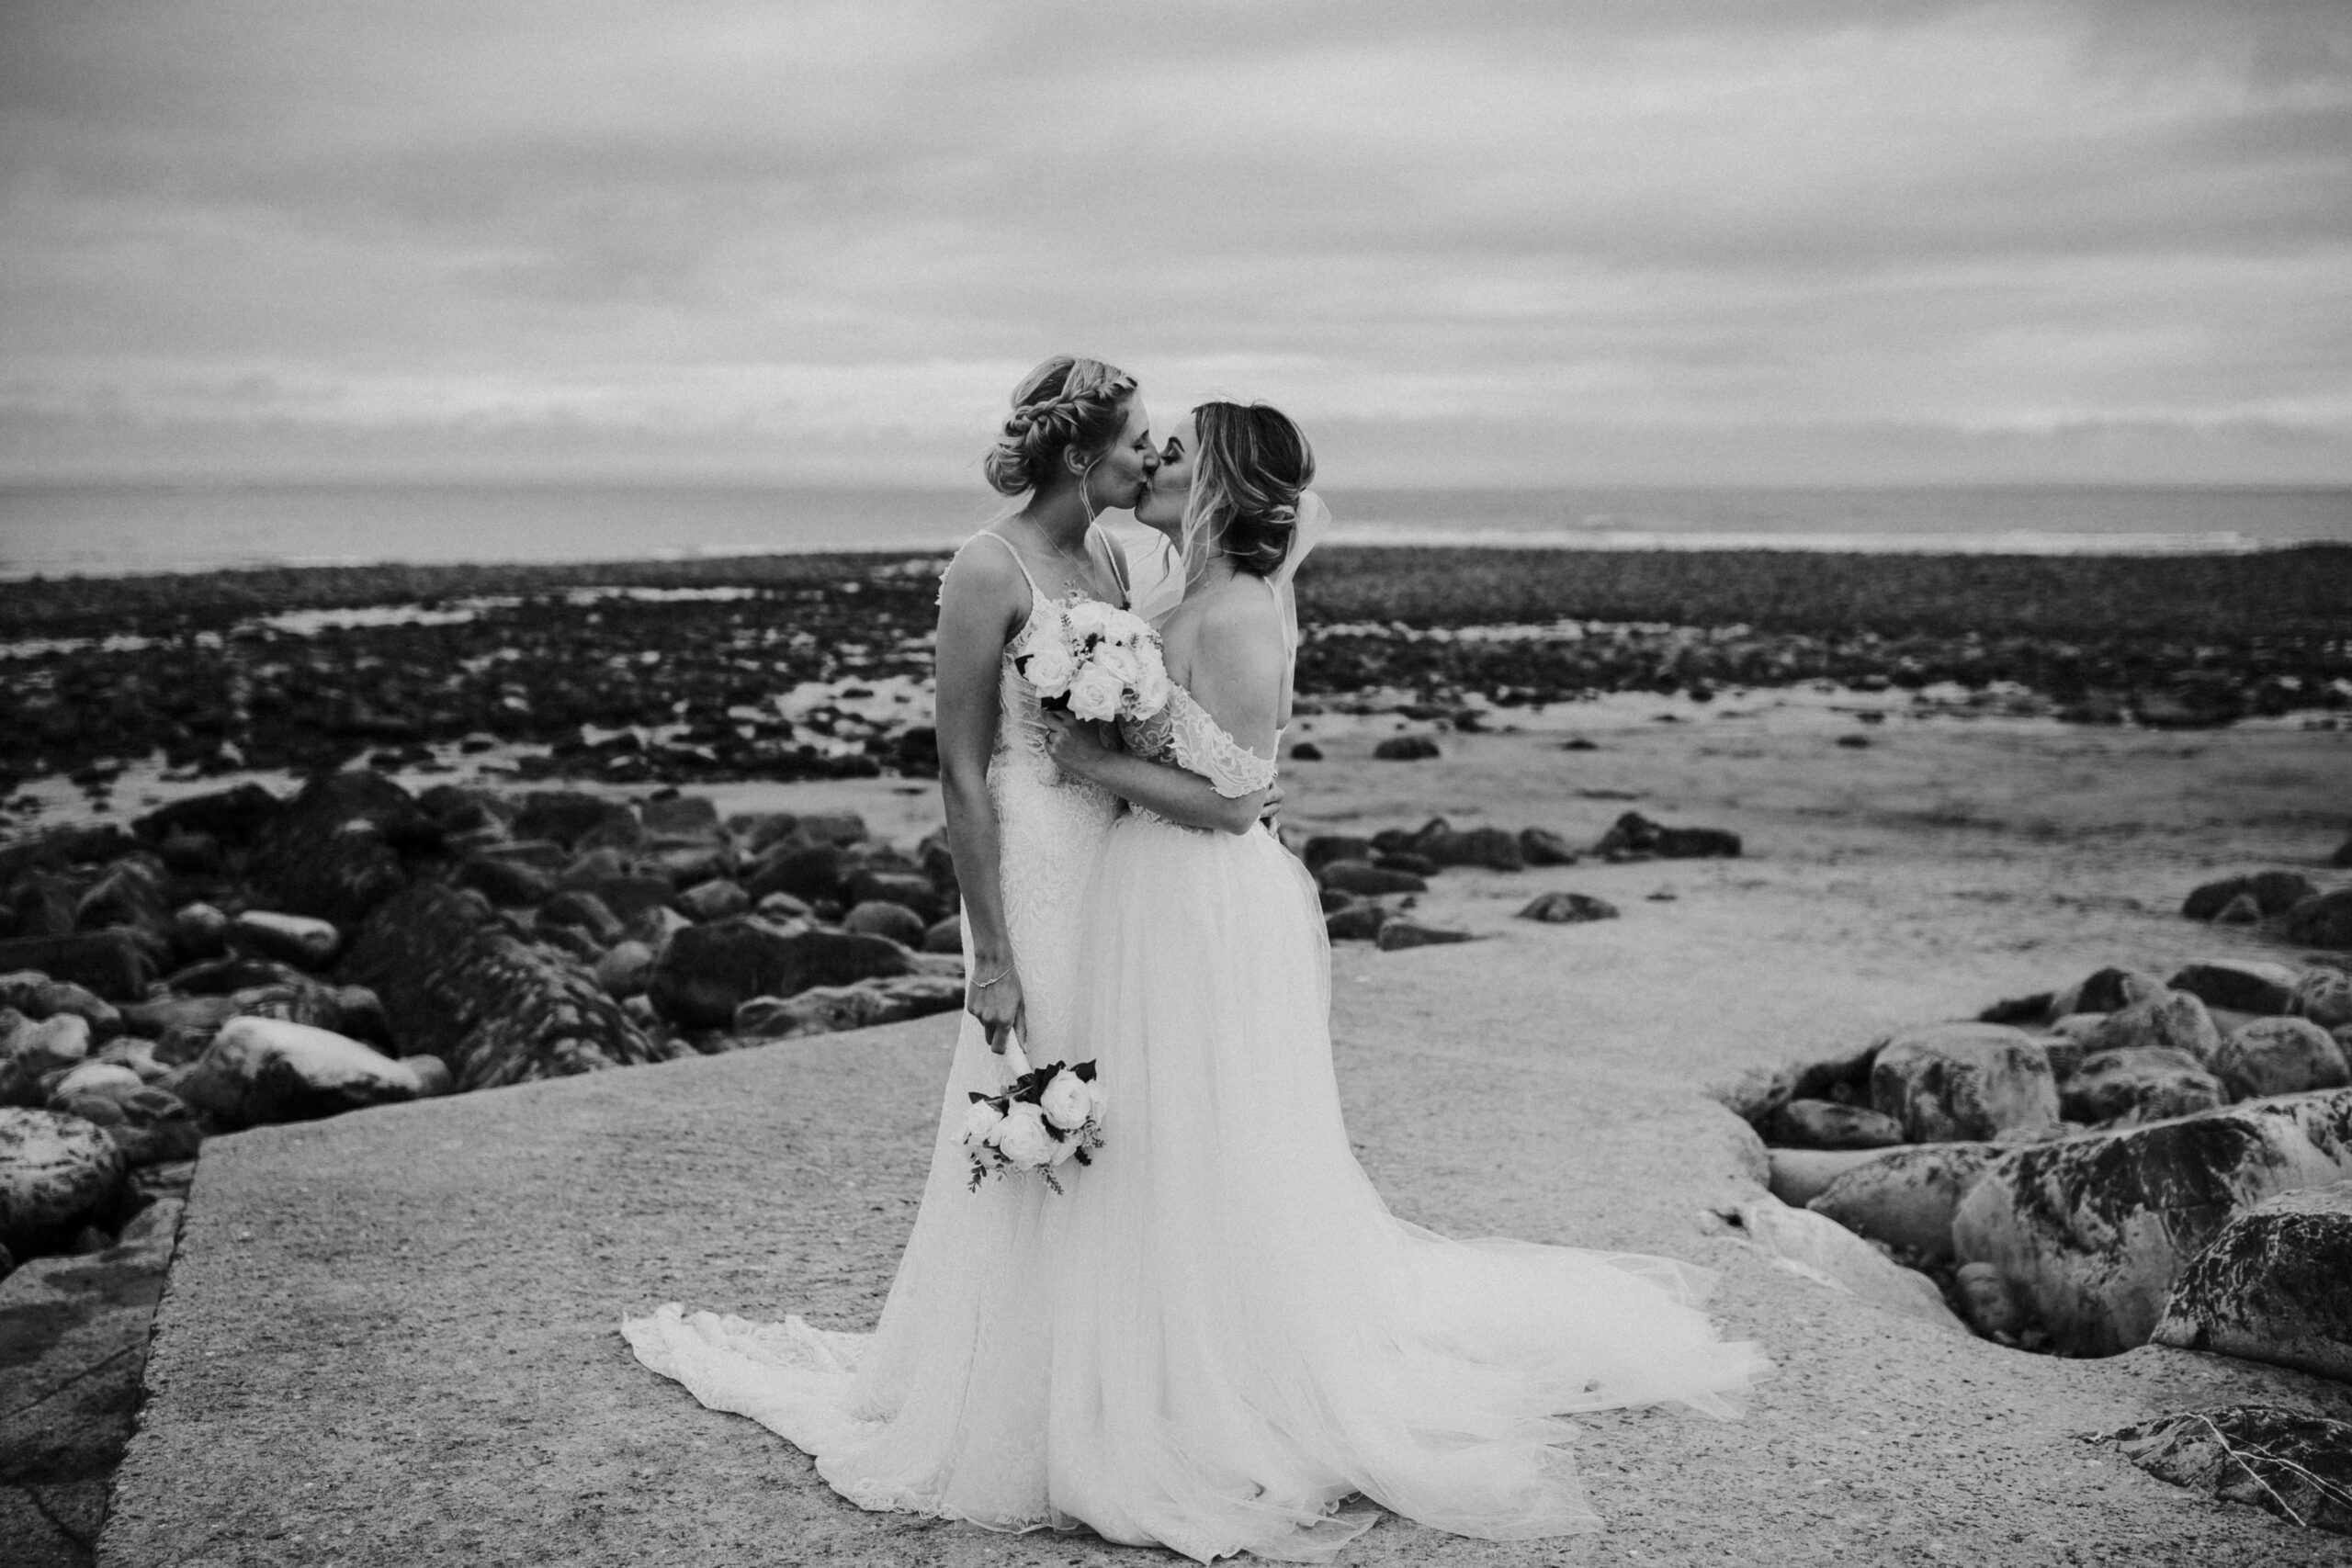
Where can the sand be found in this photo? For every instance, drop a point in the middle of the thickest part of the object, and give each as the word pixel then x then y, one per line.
pixel 390 1338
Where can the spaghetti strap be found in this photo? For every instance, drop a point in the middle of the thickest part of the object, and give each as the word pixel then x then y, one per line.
pixel 1118 567
pixel 991 534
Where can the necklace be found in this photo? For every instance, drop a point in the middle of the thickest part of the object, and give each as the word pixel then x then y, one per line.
pixel 1084 564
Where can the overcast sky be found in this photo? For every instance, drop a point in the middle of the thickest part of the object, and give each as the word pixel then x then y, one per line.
pixel 1756 241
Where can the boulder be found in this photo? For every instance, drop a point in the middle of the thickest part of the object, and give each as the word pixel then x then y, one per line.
pixel 2291 1462
pixel 2241 985
pixel 714 901
pixel 32 1049
pixel 2273 1286
pixel 114 963
pixel 1965 1082
pixel 2092 1231
pixel 681 816
pixel 2321 921
pixel 1563 909
pixel 1798 1176
pixel 908 889
pixel 2242 911
pixel 37 997
pixel 2275 892
pixel 106 1080
pixel 828 1010
pixel 2279 1055
pixel 947 936
pixel 1323 848
pixel 809 872
pixel 262 1070
pixel 625 969
pixel 2122 1087
pixel 1406 749
pixel 2105 990
pixel 458 985
pixel 290 939
pixel 2324 995
pixel 1363 880
pixel 1634 837
pixel 879 917
pixel 197 931
pixel 335 851
pixel 1817 1248
pixel 585 912
pixel 2171 1020
pixel 1357 919
pixel 1825 1124
pixel 1397 931
pixel 57 1174
pixel 1541 846
pixel 566 815
pixel 709 971
pixel 232 816
pixel 1495 849
pixel 1988 1303
pixel 1906 1196
pixel 1307 751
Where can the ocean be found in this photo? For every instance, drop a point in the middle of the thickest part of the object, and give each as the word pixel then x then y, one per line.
pixel 91 530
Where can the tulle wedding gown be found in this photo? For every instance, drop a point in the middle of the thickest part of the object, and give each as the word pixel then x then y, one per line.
pixel 1221 1334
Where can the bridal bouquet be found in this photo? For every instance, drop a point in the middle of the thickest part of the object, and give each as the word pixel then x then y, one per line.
pixel 1045 1116
pixel 1093 661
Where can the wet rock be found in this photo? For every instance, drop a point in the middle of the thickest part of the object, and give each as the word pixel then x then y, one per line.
pixel 1906 1196
pixel 2272 1287
pixel 567 815
pixel 104 1081
pixel 2324 995
pixel 2279 1055
pixel 1541 846
pixel 2241 985
pixel 457 985
pixel 37 997
pixel 2173 1020
pixel 586 912
pixel 335 850
pixel 1398 932
pixel 1988 1303
pixel 261 1070
pixel 908 889
pixel 228 817
pixel 290 939
pixel 811 874
pixel 1825 1124
pixel 1819 1249
pixel 625 969
pixel 1495 849
pixel 1362 880
pixel 947 936
pixel 198 930
pixel 827 1010
pixel 2122 1087
pixel 715 900
pixel 2105 990
pixel 709 971
pixel 681 816
pixel 1634 836
pixel 2242 911
pixel 880 917
pixel 32 1049
pixel 1406 749
pixel 1965 1082
pixel 2293 1464
pixel 1562 909
pixel 57 1173
pixel 2092 1231
pixel 2321 921
pixel 1307 751
pixel 1798 1176
pixel 509 883
pixel 1357 919
pixel 113 963
pixel 2275 892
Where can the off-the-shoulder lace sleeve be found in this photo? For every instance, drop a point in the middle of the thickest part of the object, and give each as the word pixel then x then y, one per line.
pixel 1201 747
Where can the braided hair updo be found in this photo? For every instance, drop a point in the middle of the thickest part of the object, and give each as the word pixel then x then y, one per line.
pixel 1252 463
pixel 1064 404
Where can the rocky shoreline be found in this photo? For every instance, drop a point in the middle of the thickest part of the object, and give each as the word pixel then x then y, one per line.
pixel 812 667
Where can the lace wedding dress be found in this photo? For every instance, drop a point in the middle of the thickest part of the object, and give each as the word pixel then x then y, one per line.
pixel 942 1409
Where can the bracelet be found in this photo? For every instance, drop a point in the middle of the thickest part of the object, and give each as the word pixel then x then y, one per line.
pixel 984 984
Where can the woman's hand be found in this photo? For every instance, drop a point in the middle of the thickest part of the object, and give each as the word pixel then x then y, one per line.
pixel 1077 746
pixel 992 995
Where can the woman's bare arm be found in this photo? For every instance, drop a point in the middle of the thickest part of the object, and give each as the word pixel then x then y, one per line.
pixel 982 603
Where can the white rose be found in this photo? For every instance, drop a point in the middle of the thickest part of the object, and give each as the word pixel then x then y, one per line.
pixel 1095 694
pixel 1048 666
pixel 1024 1137
pixel 1066 1102
pixel 1120 661
pixel 1089 617
pixel 981 1120
pixel 1153 688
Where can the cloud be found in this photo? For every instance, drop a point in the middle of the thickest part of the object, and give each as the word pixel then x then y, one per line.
pixel 726 225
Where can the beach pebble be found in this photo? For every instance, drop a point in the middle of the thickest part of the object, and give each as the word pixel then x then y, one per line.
pixel 32 1049
pixel 624 969
pixel 2242 985
pixel 2169 1021
pixel 291 939
pixel 1406 749
pixel 265 1070
pixel 1562 909
pixel 878 917
pixel 1987 1300
pixel 1353 919
pixel 2104 991
pixel 56 1171
pixel 1541 846
pixel 1965 1082
pixel 2324 995
pixel 908 889
pixel 584 912
pixel 2146 1083
pixel 947 936
pixel 2279 1055
pixel 432 1074
pixel 107 1080
pixel 1307 751
pixel 2271 1286
pixel 198 930
pixel 714 901
pixel 2325 921
pixel 1398 932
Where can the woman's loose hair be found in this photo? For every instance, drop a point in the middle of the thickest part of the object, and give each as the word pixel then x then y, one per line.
pixel 1246 476
pixel 1066 403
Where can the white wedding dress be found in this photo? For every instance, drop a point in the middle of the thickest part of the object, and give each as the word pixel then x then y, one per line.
pixel 1220 1335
